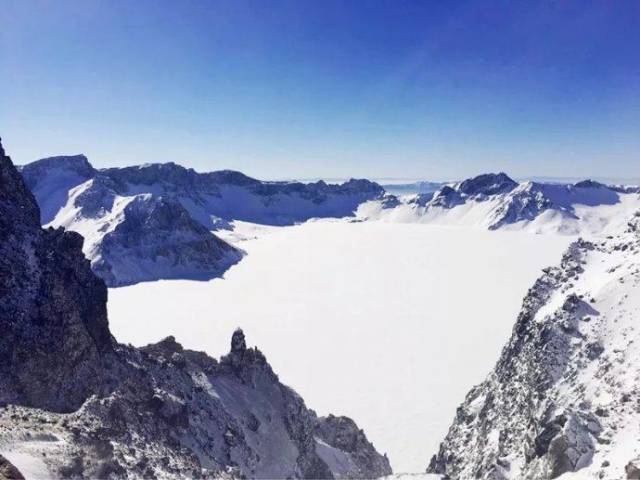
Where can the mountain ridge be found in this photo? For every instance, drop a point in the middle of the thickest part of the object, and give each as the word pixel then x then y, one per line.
pixel 157 221
pixel 561 397
pixel 495 201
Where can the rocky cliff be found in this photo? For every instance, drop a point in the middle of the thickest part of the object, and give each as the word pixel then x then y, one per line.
pixel 563 396
pixel 53 313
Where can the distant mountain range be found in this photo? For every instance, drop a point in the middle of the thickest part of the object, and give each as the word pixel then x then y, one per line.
pixel 495 201
pixel 157 221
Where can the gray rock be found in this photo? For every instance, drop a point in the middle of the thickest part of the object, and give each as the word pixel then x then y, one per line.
pixel 515 412
pixel 8 471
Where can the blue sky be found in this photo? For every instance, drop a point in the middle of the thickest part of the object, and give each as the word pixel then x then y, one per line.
pixel 282 89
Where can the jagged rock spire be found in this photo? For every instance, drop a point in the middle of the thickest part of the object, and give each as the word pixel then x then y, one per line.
pixel 238 343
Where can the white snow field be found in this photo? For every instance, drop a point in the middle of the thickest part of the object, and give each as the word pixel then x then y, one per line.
pixel 387 323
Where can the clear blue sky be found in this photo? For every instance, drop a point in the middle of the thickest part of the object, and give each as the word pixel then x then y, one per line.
pixel 311 88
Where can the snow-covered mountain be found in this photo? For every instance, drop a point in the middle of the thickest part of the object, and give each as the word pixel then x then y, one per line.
pixel 564 395
pixel 156 221
pixel 495 201
pixel 76 404
pixel 51 179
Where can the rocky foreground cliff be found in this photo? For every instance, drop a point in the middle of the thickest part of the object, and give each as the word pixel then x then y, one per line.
pixel 564 394
pixel 76 404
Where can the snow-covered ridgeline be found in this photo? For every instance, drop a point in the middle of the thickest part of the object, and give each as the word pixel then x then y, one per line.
pixel 212 198
pixel 563 396
pixel 160 220
pixel 495 201
pixel 156 221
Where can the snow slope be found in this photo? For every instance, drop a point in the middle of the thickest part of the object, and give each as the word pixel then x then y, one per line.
pixel 563 397
pixel 393 323
pixel 131 239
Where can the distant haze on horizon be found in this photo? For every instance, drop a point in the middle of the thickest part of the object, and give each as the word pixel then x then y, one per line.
pixel 333 89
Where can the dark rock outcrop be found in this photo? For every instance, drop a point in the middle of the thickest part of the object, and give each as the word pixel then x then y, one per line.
pixel 53 315
pixel 447 197
pixel 8 471
pixel 487 184
pixel 343 434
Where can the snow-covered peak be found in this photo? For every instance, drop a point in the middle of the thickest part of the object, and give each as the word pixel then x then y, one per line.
pixel 50 180
pixel 40 169
pixel 487 184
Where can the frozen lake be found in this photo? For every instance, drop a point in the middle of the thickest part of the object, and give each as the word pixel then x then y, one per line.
pixel 390 324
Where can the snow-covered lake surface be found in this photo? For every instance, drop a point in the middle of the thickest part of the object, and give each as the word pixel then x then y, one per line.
pixel 390 324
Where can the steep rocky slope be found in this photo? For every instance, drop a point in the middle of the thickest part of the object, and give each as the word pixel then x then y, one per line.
pixel 495 201
pixel 155 221
pixel 154 237
pixel 53 313
pixel 75 403
pixel 564 395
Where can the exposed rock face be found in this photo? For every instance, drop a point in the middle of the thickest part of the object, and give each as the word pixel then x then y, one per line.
pixel 389 201
pixel 563 394
pixel 53 314
pixel 78 405
pixel 522 204
pixel 129 239
pixel 487 184
pixel 447 197
pixel 340 438
pixel 8 471
pixel 157 238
